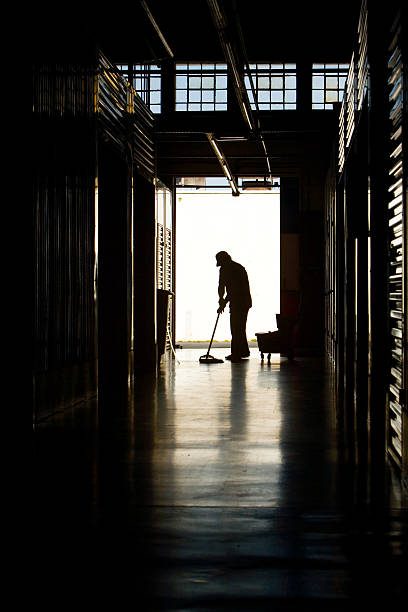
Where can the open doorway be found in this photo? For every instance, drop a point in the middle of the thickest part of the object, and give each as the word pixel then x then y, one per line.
pixel 209 219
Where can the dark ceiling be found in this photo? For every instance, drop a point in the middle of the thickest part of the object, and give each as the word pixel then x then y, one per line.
pixel 272 31
pixel 260 30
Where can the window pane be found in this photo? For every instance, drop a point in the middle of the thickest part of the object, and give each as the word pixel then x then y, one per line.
pixel 208 82
pixel 318 96
pixel 277 96
pixel 208 96
pixel 194 96
pixel 277 106
pixel 208 67
pixel 221 96
pixel 194 107
pixel 318 82
pixel 290 96
pixel 221 106
pixel 263 82
pixel 181 95
pixel 331 96
pixel 276 82
pixel 290 106
pixel 221 82
pixel 194 82
pixel 263 106
pixel 332 82
pixel 155 97
pixel 155 83
pixel 181 82
pixel 181 107
pixel 208 107
pixel 264 96
pixel 290 82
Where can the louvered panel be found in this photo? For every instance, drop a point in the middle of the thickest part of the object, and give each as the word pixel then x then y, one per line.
pixel 112 104
pixel 342 137
pixel 168 266
pixel 362 69
pixel 142 133
pixel 397 255
pixel 59 91
pixel 169 281
pixel 160 257
pixel 351 103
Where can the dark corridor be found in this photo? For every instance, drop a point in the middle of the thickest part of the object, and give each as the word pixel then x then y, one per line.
pixel 215 488
pixel 160 481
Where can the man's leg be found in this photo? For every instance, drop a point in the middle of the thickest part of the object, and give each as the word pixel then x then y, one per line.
pixel 239 342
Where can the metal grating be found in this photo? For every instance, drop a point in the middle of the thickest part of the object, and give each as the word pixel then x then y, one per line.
pixel 397 254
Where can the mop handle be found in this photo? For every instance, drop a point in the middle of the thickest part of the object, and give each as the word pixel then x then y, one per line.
pixel 215 327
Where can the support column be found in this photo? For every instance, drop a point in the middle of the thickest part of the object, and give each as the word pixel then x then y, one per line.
pixel 113 336
pixel 145 342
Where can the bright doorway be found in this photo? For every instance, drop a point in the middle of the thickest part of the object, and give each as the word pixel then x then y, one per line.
pixel 208 220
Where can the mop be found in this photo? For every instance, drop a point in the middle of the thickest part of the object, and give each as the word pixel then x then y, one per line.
pixel 208 358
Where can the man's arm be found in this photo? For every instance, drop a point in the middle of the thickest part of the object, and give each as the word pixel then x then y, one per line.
pixel 221 290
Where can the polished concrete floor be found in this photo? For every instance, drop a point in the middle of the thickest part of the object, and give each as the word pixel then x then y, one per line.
pixel 213 487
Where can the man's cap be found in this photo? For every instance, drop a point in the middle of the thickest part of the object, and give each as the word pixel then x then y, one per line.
pixel 222 257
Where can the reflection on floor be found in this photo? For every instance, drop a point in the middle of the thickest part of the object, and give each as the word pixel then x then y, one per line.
pixel 215 487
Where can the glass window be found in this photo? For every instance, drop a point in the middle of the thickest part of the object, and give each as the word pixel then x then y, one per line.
pixel 275 86
pixel 328 82
pixel 146 82
pixel 204 86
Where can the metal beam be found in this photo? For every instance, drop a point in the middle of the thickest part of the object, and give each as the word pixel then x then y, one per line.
pixel 224 164
pixel 221 25
pixel 233 59
pixel 156 27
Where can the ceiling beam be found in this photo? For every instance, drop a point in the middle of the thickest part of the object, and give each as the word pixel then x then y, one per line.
pixel 222 27
pixel 224 164
pixel 156 27
pixel 236 57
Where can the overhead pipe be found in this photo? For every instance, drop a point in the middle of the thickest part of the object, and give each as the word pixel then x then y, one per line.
pixel 224 164
pixel 221 24
pixel 156 27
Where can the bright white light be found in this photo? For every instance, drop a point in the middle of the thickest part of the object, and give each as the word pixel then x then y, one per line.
pixel 248 228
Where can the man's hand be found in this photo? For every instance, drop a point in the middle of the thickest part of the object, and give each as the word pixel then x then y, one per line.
pixel 222 304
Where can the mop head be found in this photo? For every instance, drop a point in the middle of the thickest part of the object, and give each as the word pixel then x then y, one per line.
pixel 210 359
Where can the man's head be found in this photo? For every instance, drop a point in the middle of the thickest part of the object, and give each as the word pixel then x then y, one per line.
pixel 222 258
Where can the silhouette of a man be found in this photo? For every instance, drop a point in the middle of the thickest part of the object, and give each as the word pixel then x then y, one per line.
pixel 234 284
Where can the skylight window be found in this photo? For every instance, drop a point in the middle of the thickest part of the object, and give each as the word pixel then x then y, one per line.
pixel 201 87
pixel 146 82
pixel 328 81
pixel 274 85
